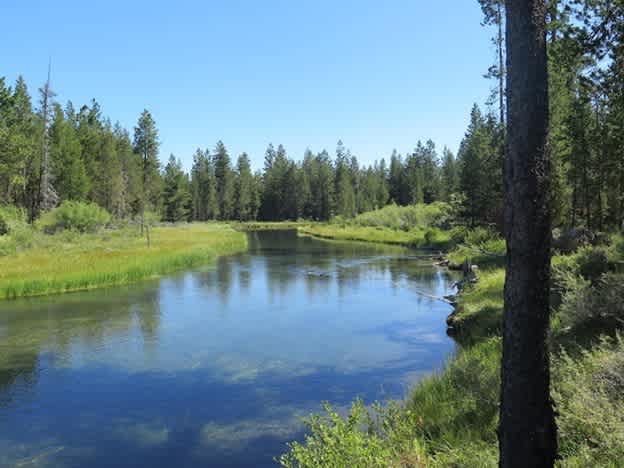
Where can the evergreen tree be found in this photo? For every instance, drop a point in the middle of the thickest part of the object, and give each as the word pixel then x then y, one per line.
pixel 68 169
pixel 224 181
pixel 244 189
pixel 344 193
pixel 176 196
pixel 146 145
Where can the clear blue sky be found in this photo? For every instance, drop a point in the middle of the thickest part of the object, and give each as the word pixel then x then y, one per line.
pixel 377 74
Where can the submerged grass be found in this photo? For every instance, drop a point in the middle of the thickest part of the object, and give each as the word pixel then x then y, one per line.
pixel 70 261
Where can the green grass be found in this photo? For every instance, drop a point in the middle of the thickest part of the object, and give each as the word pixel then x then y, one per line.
pixel 69 261
pixel 430 238
pixel 417 226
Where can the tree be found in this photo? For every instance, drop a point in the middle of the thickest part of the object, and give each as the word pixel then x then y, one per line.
pixel 493 15
pixel 48 197
pixel 204 187
pixel 146 145
pixel 176 196
pixel 527 431
pixel 345 196
pixel 67 166
pixel 449 180
pixel 244 188
pixel 224 181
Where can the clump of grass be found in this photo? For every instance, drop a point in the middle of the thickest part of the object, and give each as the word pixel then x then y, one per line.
pixel 70 261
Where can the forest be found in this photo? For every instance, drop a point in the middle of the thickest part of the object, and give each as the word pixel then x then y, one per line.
pixel 50 153
pixel 529 210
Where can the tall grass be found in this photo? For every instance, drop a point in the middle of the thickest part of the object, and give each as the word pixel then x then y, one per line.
pixel 418 226
pixel 70 261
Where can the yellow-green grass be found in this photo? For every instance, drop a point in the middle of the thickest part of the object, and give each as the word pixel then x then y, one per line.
pixel 417 238
pixel 63 263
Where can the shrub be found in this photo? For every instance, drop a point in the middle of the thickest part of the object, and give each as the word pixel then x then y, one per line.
pixel 363 439
pixel 406 218
pixel 598 305
pixel 78 216
pixel 588 391
pixel 593 262
pixel 15 232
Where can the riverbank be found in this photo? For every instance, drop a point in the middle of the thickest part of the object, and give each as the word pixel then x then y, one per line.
pixel 431 238
pixel 450 418
pixel 69 261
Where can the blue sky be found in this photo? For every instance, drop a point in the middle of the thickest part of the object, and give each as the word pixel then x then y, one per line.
pixel 377 74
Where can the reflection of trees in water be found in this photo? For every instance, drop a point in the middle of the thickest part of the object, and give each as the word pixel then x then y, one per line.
pixel 34 327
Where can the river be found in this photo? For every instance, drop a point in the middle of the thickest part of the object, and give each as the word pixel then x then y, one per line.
pixel 215 366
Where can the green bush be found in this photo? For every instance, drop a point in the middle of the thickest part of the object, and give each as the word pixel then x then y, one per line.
pixel 78 216
pixel 593 262
pixel 406 218
pixel 599 305
pixel 15 232
pixel 589 393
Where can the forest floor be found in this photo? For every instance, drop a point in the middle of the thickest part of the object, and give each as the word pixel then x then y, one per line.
pixel 69 261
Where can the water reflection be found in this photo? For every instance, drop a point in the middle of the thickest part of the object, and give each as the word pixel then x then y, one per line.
pixel 215 366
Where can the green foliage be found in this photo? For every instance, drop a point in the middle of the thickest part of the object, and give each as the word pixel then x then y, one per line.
pixel 588 391
pixel 599 305
pixel 82 217
pixel 359 440
pixel 18 233
pixel 176 196
pixel 481 246
pixel 405 218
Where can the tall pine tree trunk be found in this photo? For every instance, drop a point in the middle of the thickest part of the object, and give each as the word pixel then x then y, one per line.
pixel 527 431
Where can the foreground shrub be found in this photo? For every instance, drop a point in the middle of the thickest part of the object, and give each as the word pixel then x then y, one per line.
pixel 78 216
pixel 363 439
pixel 589 394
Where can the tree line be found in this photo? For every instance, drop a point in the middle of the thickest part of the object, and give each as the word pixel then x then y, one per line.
pixel 91 159
pixel 49 153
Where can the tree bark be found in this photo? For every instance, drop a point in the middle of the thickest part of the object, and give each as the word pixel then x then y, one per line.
pixel 527 431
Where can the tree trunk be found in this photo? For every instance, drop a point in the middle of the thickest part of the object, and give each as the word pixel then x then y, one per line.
pixel 527 431
pixel 501 67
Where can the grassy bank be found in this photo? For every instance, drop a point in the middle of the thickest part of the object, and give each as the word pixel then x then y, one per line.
pixel 69 261
pixel 416 226
pixel 450 418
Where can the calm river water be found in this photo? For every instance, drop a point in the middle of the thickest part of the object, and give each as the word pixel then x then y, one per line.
pixel 214 367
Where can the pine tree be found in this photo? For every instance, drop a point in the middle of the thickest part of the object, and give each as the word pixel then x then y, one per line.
pixel 224 181
pixel 244 187
pixel 67 166
pixel 146 145
pixel 176 196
